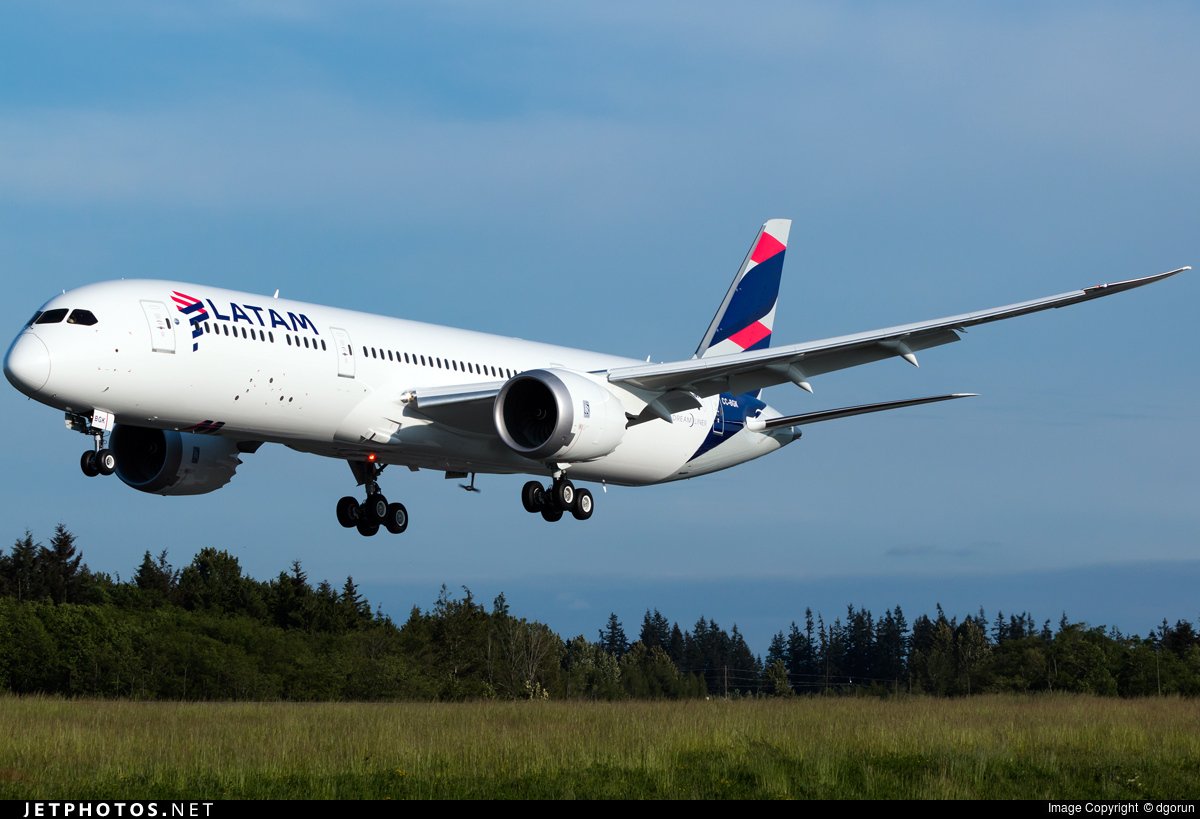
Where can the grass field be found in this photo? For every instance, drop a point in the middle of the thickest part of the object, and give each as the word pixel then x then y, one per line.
pixel 1045 747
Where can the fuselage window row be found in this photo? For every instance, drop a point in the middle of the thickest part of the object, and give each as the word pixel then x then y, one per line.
pixel 433 361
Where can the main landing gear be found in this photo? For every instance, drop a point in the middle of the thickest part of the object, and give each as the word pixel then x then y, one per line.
pixel 374 512
pixel 555 500
pixel 99 460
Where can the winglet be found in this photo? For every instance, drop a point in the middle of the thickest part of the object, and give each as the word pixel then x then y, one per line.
pixel 746 317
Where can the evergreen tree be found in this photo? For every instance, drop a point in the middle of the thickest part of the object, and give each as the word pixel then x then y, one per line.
pixel 612 637
pixel 60 567
pixel 676 647
pixel 656 632
pixel 356 611
pixel 24 579
pixel 156 579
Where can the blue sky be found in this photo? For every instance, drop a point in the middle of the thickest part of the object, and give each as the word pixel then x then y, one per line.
pixel 592 175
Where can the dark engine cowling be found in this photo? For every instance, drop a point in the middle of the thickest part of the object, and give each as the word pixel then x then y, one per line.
pixel 558 415
pixel 166 462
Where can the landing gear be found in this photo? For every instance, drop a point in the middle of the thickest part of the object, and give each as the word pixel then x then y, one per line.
pixel 583 506
pixel 533 497
pixel 98 460
pixel 553 501
pixel 369 515
pixel 397 518
pixel 106 462
pixel 348 513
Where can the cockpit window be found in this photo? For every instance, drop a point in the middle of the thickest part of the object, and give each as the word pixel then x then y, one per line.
pixel 84 317
pixel 52 316
pixel 36 316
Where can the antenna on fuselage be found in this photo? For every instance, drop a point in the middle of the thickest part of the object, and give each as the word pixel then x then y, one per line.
pixel 276 293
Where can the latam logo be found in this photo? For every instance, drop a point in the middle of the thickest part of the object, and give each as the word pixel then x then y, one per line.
pixel 198 311
pixel 193 308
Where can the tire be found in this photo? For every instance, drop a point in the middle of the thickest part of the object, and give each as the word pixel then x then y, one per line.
pixel 375 508
pixel 551 513
pixel 564 493
pixel 348 512
pixel 87 462
pixel 367 529
pixel 106 462
pixel 533 497
pixel 397 518
pixel 584 505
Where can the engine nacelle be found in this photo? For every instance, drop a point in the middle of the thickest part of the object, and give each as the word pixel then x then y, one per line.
pixel 558 415
pixel 166 462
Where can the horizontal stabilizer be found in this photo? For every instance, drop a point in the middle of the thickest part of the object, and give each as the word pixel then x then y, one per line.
pixel 761 425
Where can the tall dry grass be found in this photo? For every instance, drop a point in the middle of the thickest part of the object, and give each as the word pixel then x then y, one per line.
pixel 1044 747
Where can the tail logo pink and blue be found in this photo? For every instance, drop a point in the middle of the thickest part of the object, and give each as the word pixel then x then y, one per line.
pixel 747 314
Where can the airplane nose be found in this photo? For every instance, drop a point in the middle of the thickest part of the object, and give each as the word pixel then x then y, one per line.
pixel 27 364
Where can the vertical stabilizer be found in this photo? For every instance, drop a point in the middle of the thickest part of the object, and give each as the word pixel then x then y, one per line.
pixel 747 315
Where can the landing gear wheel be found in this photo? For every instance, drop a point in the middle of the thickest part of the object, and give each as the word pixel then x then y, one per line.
pixel 564 493
pixel 533 497
pixel 348 513
pixel 397 518
pixel 375 509
pixel 583 506
pixel 367 529
pixel 87 462
pixel 551 514
pixel 106 462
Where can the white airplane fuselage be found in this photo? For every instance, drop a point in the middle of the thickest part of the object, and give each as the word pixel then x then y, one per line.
pixel 332 382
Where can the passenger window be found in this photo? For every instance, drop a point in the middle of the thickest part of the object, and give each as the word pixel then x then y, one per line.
pixel 85 317
pixel 289 340
pixel 271 333
pixel 322 344
pixel 52 316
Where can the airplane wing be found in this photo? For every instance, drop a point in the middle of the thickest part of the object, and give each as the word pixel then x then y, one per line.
pixel 767 424
pixel 682 383
pixel 464 406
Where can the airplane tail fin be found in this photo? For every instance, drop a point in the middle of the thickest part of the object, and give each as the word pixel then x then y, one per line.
pixel 746 317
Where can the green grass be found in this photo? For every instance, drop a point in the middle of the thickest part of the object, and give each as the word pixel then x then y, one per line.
pixel 1049 747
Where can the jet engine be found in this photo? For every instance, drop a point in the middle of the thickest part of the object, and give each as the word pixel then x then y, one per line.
pixel 165 462
pixel 558 415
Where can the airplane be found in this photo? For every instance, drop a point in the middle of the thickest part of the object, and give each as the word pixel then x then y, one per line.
pixel 174 382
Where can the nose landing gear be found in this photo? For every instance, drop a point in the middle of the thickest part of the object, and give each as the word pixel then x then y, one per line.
pixel 99 460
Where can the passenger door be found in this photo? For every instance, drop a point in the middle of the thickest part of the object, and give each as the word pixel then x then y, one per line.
pixel 345 352
pixel 162 330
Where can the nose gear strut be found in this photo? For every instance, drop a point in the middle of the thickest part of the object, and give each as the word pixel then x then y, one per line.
pixel 99 460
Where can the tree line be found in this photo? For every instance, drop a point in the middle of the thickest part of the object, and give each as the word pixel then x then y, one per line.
pixel 208 631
